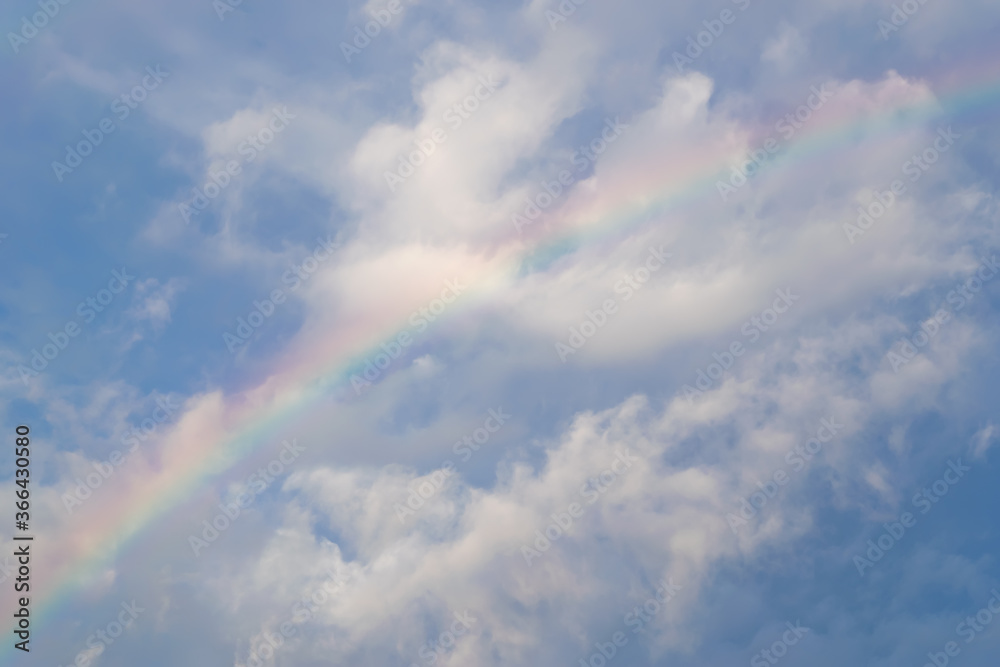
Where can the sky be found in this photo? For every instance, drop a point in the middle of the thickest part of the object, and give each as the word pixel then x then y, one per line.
pixel 416 332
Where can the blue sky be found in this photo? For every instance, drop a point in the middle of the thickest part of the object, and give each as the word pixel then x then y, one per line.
pixel 260 171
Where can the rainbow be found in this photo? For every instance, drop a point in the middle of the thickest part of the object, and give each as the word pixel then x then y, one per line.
pixel 241 424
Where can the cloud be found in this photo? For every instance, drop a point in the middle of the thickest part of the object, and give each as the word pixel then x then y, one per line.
pixel 750 318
